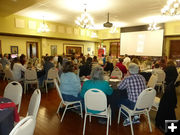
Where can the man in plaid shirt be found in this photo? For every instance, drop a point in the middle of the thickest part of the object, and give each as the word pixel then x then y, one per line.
pixel 134 84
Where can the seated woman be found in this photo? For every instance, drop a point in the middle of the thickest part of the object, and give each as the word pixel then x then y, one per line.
pixel 70 83
pixel 85 69
pixel 97 81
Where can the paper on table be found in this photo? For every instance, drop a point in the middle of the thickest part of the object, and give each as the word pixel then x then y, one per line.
pixel 114 80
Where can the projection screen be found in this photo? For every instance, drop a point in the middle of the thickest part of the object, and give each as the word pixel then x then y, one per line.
pixel 143 43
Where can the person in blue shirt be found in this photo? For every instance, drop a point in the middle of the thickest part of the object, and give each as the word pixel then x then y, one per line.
pixel 70 85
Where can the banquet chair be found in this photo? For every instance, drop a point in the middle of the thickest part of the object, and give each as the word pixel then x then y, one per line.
pixel 52 74
pixel 161 80
pixel 13 91
pixel 25 127
pixel 91 98
pixel 151 84
pixel 152 81
pixel 8 74
pixel 1 71
pixel 34 104
pixel 117 72
pixel 30 77
pixel 143 106
pixel 68 104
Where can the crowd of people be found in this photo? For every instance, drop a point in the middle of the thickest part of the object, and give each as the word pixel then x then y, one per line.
pixel 73 69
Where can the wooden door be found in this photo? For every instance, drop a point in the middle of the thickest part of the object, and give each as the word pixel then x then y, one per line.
pixel 115 49
pixel 174 49
pixel 32 49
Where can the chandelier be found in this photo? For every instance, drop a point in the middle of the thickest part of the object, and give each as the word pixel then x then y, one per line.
pixel 171 8
pixel 43 27
pixel 153 26
pixel 85 20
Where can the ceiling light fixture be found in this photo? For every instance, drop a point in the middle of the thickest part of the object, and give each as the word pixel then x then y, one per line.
pixel 171 8
pixel 85 20
pixel 43 27
pixel 108 24
pixel 153 26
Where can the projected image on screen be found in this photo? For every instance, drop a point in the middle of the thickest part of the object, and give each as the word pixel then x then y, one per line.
pixel 144 43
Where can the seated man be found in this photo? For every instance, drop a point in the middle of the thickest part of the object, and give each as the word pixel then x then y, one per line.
pixel 134 84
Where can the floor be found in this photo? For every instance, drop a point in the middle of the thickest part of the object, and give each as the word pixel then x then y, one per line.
pixel 48 122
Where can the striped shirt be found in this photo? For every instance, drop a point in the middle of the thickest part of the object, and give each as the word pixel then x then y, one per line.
pixel 134 84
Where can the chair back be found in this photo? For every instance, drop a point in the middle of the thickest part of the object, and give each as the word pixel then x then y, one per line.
pixel 13 91
pixel 58 90
pixel 145 99
pixel 34 103
pixel 8 74
pixel 161 77
pixel 52 74
pixel 117 72
pixel 95 100
pixel 152 81
pixel 25 127
pixel 30 75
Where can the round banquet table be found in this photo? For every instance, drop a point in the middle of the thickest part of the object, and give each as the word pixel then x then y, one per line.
pixel 6 118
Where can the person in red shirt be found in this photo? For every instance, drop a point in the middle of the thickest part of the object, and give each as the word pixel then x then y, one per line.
pixel 121 66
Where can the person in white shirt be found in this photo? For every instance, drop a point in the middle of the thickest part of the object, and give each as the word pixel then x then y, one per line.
pixel 17 69
pixel 157 70
pixel 126 60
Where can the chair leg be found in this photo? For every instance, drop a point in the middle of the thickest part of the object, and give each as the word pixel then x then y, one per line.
pixel 84 127
pixel 64 113
pixel 132 132
pixel 110 118
pixel 119 115
pixel 59 107
pixel 46 87
pixel 149 121
pixel 89 118
pixel 81 110
pixel 107 128
pixel 24 88
pixel 162 88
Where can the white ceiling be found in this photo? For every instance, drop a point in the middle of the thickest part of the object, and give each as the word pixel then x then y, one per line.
pixel 122 12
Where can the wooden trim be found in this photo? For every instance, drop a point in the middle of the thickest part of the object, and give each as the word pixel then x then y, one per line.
pixel 34 36
pixel 170 36
pixel 111 39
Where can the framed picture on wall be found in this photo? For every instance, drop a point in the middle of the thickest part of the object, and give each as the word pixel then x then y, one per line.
pixel 88 49
pixel 14 49
pixel 53 50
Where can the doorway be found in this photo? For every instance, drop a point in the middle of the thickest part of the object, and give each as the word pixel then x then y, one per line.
pixel 175 49
pixel 115 49
pixel 32 49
